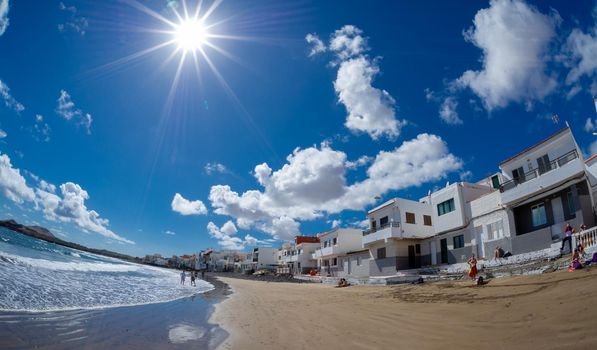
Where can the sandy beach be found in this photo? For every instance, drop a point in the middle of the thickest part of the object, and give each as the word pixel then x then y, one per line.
pixel 549 311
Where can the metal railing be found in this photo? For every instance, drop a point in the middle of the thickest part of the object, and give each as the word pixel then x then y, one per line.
pixel 566 158
pixel 381 227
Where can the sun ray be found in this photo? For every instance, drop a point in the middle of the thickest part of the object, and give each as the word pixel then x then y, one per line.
pixel 150 12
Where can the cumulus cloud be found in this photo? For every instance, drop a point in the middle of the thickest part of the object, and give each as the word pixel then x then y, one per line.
pixel 171 233
pixel 361 161
pixel 66 109
pixel 447 111
pixel 10 101
pixel 580 50
pixel 211 168
pixel 184 206
pixel 313 183
pixel 4 7
pixel 74 21
pixel 370 110
pixel 3 134
pixel 514 38
pixel 12 184
pixel 227 239
pixel 70 207
pixel 317 46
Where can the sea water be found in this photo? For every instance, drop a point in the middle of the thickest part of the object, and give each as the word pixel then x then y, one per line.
pixel 38 276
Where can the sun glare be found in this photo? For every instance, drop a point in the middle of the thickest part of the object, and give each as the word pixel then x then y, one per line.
pixel 190 34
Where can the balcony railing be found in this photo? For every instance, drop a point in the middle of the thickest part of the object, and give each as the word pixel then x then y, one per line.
pixel 566 158
pixel 381 227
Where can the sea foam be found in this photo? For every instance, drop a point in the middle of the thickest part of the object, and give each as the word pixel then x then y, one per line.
pixel 40 276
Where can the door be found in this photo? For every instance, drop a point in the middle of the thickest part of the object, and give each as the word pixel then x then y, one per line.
pixel 348 263
pixel 433 250
pixel 479 239
pixel 444 250
pixel 411 257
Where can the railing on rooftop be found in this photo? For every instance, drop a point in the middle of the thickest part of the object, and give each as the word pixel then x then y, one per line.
pixel 566 158
pixel 381 227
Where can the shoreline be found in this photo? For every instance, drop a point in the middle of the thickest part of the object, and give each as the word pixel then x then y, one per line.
pixel 175 324
pixel 548 311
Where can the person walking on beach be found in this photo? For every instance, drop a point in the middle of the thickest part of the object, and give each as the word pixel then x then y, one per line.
pixel 183 276
pixel 193 276
pixel 472 263
pixel 568 232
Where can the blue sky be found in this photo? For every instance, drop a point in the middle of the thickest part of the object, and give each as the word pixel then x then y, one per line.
pixel 301 114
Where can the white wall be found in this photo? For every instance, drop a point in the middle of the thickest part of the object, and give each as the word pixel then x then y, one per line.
pixel 554 148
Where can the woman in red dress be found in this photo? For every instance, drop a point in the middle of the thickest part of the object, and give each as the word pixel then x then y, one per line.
pixel 472 263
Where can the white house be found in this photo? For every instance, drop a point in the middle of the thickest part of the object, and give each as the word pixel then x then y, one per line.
pixel 394 239
pixel 334 244
pixel 297 257
pixel 261 258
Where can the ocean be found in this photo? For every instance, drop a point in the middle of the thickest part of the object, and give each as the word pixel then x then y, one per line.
pixel 54 297
pixel 36 276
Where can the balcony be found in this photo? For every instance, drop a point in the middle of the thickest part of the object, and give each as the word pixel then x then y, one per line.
pixel 382 233
pixel 327 251
pixel 557 171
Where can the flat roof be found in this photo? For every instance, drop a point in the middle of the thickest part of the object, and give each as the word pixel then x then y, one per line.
pixel 560 132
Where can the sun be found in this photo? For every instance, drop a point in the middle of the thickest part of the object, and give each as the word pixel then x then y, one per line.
pixel 190 34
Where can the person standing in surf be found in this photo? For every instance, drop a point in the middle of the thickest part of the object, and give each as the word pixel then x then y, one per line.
pixel 183 276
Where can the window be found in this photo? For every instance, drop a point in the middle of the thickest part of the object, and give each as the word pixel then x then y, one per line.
pixel 538 214
pixel 410 218
pixel 495 230
pixel 417 249
pixel 358 261
pixel 383 221
pixel 334 261
pixel 427 220
pixel 543 164
pixel 445 207
pixel 495 181
pixel 571 207
pixel 518 175
pixel 335 241
pixel 458 241
pixel 381 253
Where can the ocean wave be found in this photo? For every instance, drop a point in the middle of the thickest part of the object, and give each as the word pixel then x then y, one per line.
pixel 69 266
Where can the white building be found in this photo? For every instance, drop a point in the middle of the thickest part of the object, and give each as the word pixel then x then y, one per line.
pixel 261 258
pixel 297 257
pixel 333 244
pixel 522 208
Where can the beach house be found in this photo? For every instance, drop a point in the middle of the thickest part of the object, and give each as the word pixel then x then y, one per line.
pixel 522 208
pixel 261 258
pixel 395 236
pixel 334 244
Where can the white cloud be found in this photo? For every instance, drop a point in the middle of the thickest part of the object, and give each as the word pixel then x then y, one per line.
pixel 211 168
pixel 348 42
pixel 66 108
pixel 4 22
pixel 10 101
pixel 68 208
pixel 370 110
pixel 317 45
pixel 75 23
pixel 3 134
pixel 71 208
pixel 12 184
pixel 466 175
pixel 171 233
pixel 447 111
pixel 580 55
pixel 514 38
pixel 361 161
pixel 336 223
pixel 187 207
pixel 41 130
pixel 226 239
pixel 313 183
pixel 590 125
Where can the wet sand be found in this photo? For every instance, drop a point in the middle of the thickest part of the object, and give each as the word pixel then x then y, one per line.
pixel 550 311
pixel 178 324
